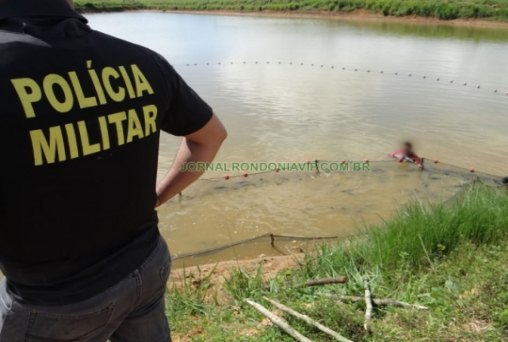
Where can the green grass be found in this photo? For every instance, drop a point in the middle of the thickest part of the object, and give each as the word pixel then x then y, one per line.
pixel 441 9
pixel 452 258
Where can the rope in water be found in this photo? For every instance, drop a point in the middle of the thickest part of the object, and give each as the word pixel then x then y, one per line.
pixel 344 68
pixel 318 169
pixel 273 239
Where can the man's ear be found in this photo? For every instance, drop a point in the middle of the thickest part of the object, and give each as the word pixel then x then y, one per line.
pixel 71 2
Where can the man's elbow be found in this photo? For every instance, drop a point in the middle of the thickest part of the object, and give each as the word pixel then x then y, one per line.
pixel 220 132
pixel 212 134
pixel 222 135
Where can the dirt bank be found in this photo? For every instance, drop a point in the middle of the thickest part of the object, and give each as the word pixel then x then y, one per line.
pixel 358 15
pixel 217 273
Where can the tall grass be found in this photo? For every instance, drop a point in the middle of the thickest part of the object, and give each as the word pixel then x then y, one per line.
pixel 442 9
pixel 419 236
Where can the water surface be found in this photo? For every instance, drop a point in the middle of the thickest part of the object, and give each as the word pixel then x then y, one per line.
pixel 303 89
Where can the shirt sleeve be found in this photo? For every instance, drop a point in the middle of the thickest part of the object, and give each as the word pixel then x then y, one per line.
pixel 187 112
pixel 395 154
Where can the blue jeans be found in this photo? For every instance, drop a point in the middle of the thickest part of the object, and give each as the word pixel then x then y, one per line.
pixel 130 311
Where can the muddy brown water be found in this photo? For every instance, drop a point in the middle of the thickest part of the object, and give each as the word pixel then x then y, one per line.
pixel 291 90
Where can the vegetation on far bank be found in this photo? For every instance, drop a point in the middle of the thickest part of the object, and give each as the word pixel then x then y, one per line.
pixel 441 9
pixel 449 257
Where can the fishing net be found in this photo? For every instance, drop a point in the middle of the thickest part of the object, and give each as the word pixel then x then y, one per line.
pixel 288 208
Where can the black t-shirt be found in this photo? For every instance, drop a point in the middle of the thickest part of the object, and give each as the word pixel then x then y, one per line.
pixel 80 118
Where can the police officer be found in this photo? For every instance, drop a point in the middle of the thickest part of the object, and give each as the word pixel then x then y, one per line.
pixel 80 118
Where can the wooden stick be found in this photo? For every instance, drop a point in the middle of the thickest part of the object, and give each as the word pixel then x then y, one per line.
pixel 384 302
pixel 326 281
pixel 278 321
pixel 368 304
pixel 309 320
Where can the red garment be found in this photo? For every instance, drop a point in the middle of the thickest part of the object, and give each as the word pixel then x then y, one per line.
pixel 402 155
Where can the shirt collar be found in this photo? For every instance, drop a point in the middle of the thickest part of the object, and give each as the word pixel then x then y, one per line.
pixel 37 8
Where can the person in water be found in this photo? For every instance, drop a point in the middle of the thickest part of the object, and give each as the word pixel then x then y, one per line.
pixel 406 154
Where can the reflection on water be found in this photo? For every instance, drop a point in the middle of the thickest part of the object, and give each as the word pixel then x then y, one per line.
pixel 291 112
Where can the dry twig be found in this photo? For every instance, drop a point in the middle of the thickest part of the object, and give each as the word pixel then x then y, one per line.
pixel 383 302
pixel 280 322
pixel 309 320
pixel 368 304
pixel 326 281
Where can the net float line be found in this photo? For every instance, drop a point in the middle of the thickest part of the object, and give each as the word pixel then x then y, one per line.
pixel 432 166
pixel 272 239
pixel 477 86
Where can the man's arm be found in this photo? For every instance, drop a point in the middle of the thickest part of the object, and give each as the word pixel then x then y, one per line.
pixel 198 147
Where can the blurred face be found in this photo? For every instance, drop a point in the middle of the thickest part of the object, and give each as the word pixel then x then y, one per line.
pixel 408 148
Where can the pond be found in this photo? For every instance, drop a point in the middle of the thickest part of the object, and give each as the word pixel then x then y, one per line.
pixel 291 90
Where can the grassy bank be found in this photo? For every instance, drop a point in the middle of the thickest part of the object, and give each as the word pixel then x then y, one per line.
pixel 441 9
pixel 450 258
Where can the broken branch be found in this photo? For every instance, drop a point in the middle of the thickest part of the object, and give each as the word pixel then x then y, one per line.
pixel 384 302
pixel 326 281
pixel 280 322
pixel 368 304
pixel 309 320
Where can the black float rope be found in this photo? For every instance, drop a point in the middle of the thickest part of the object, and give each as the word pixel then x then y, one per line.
pixel 343 68
pixel 457 170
